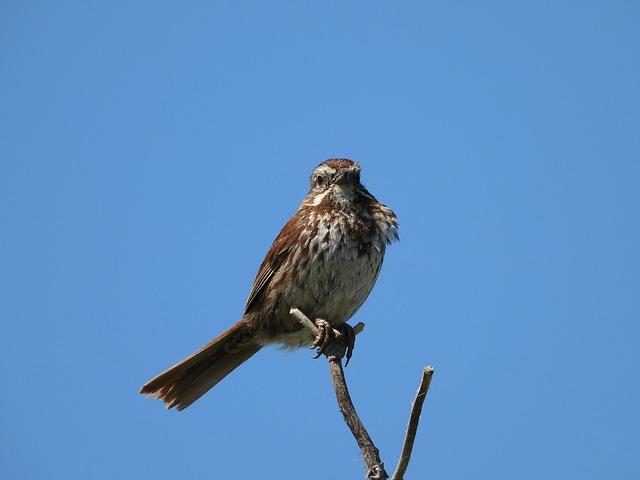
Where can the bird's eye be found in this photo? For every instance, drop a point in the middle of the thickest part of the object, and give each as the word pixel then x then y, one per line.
pixel 320 180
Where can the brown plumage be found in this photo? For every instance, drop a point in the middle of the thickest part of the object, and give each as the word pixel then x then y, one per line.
pixel 324 261
pixel 188 380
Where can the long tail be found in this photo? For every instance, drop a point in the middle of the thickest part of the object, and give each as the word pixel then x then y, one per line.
pixel 188 380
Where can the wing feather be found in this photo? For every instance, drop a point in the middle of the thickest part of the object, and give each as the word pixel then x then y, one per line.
pixel 278 253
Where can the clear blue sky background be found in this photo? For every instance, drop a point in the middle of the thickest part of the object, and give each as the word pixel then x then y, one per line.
pixel 151 151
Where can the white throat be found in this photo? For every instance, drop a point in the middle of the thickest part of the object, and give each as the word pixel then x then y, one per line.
pixel 343 193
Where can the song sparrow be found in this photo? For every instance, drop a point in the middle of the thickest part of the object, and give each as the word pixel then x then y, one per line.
pixel 324 261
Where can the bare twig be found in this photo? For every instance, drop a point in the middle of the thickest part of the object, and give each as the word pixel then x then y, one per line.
pixel 335 352
pixel 304 320
pixel 412 428
pixel 370 453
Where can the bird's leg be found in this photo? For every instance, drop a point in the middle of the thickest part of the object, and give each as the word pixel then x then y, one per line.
pixel 343 336
pixel 349 338
pixel 326 335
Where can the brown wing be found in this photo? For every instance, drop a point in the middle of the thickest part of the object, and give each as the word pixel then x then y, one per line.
pixel 278 253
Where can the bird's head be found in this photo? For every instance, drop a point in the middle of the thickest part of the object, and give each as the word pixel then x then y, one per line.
pixel 336 181
pixel 340 172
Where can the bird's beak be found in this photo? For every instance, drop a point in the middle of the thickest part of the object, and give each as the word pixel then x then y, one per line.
pixel 341 177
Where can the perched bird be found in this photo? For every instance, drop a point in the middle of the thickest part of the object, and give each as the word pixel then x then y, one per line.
pixel 324 261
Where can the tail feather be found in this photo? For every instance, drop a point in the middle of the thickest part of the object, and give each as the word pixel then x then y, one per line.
pixel 185 382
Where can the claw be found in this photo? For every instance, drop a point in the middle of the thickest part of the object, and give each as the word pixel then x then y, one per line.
pixel 327 334
pixel 350 336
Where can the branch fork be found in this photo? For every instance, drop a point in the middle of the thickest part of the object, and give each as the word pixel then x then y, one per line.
pixel 335 350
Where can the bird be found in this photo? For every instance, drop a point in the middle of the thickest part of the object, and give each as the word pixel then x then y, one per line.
pixel 325 261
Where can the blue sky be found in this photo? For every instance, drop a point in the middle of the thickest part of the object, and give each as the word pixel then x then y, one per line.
pixel 151 151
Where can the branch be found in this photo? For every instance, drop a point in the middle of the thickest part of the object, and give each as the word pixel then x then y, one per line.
pixel 412 428
pixel 304 320
pixel 334 353
pixel 370 453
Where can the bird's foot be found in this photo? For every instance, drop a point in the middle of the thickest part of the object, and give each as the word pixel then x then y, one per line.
pixel 350 340
pixel 343 335
pixel 326 335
